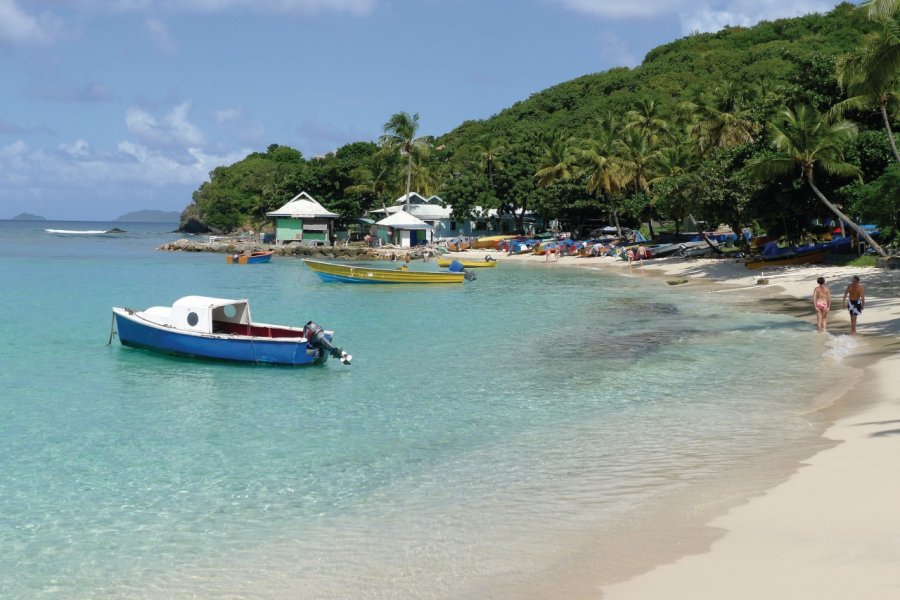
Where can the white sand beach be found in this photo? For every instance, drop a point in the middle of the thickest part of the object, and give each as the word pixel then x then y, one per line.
pixel 831 529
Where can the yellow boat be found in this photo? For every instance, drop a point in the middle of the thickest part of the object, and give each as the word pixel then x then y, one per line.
pixel 329 271
pixel 468 264
pixel 490 241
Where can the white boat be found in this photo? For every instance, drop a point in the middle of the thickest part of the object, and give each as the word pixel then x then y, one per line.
pixel 221 329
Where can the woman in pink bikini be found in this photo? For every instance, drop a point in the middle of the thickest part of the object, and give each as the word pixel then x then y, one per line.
pixel 822 302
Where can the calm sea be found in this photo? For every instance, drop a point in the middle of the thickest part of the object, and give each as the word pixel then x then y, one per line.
pixel 479 428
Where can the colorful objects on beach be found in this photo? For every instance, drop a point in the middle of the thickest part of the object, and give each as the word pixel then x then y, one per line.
pixel 216 328
pixel 337 272
pixel 249 259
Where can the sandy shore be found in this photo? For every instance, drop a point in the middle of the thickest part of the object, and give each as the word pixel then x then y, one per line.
pixel 832 528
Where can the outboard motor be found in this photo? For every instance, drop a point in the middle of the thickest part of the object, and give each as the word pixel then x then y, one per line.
pixel 457 267
pixel 316 337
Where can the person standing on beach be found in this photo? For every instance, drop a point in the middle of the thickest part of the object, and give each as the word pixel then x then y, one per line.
pixel 822 302
pixel 857 299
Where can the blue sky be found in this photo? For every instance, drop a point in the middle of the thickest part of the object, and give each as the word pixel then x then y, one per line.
pixel 110 106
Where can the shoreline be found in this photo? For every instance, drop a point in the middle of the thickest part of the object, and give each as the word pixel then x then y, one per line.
pixel 819 524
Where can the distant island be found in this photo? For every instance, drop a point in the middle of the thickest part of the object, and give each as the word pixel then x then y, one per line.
pixel 151 216
pixel 28 217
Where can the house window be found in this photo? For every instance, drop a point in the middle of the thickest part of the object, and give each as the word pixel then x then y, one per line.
pixel 481 225
pixel 453 225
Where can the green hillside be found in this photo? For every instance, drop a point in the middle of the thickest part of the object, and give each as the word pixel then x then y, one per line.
pixel 679 134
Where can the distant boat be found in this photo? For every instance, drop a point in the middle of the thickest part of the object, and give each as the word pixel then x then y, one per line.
pixel 216 328
pixel 337 272
pixel 249 259
pixel 468 264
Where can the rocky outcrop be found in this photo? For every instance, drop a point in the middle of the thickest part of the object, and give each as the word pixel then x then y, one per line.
pixel 334 252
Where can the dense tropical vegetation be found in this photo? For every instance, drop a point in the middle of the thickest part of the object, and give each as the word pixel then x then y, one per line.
pixel 777 126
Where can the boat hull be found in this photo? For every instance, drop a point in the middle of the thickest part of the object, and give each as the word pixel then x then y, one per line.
pixel 807 258
pixel 254 258
pixel 136 332
pixel 335 272
pixel 490 241
pixel 468 264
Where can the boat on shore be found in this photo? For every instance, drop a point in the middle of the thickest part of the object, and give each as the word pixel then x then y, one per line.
pixel 468 264
pixel 221 329
pixel 261 256
pixel 337 272
pixel 792 258
pixel 490 241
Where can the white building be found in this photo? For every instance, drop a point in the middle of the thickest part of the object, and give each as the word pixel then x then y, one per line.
pixel 405 230
pixel 303 219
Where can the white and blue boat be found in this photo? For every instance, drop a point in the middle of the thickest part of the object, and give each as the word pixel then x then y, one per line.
pixel 216 328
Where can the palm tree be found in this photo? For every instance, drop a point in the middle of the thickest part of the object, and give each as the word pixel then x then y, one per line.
pixel 490 151
pixel 557 163
pixel 645 119
pixel 605 175
pixel 869 76
pixel 375 178
pixel 400 134
pixel 806 140
pixel 637 154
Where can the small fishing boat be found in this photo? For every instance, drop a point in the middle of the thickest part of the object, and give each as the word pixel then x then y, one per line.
pixel 330 272
pixel 250 259
pixel 790 258
pixel 469 264
pixel 216 328
pixel 490 241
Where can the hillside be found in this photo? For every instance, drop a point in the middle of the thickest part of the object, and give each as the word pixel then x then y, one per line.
pixel 690 119
pixel 28 217
pixel 794 57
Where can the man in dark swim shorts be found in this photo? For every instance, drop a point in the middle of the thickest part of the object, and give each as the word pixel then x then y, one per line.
pixel 857 299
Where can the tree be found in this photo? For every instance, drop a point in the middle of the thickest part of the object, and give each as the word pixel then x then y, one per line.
pixel 400 134
pixel 807 141
pixel 870 80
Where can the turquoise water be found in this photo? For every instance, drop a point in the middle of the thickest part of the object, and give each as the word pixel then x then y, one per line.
pixel 478 429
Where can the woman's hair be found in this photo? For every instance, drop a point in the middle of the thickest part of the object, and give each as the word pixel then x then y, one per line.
pixel 821 280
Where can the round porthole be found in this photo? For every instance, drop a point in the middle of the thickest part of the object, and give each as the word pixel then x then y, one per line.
pixel 193 319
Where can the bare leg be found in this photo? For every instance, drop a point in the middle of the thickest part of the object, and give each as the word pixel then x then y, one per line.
pixel 853 324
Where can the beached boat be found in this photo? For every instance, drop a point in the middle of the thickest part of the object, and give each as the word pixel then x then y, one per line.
pixel 490 241
pixel 216 328
pixel 468 264
pixel 249 259
pixel 331 272
pixel 792 258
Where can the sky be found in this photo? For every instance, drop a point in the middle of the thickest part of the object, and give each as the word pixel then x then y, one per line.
pixel 111 106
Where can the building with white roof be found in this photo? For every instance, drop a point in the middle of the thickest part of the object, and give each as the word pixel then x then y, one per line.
pixel 303 220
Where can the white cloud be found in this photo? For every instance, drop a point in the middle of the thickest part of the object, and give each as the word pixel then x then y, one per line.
pixel 701 16
pixel 227 115
pixel 359 7
pixel 13 151
pixel 746 13
pixel 19 27
pixel 172 131
pixel 615 50
pixel 617 9
pixel 159 34
pixel 77 149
